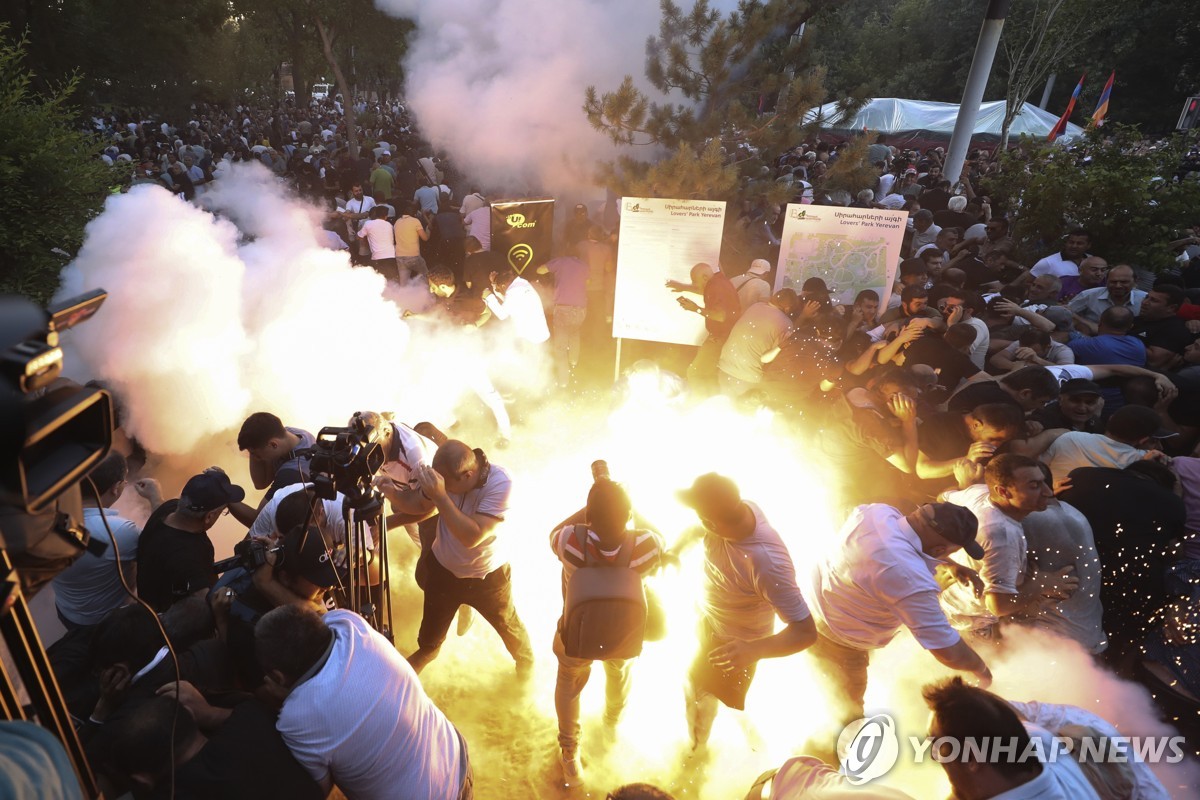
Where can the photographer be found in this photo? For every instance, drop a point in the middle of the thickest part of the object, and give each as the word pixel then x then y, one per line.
pixel 175 555
pixel 353 711
pixel 301 565
pixel 232 753
pixel 404 451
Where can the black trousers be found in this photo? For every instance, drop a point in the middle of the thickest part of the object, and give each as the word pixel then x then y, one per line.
pixel 490 595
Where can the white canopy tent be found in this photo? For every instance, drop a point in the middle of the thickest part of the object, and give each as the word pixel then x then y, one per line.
pixel 924 121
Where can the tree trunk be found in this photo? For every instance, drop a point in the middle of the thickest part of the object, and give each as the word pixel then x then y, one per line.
pixel 299 78
pixel 343 87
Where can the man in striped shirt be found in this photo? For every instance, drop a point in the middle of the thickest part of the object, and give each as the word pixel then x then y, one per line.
pixel 596 536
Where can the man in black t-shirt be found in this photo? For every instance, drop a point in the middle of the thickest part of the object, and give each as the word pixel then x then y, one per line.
pixel 304 566
pixel 175 555
pixel 1030 388
pixel 240 755
pixel 1160 328
pixel 1134 514
pixel 279 455
pixel 946 354
pixel 949 435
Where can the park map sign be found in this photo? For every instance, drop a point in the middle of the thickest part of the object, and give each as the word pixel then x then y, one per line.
pixel 851 249
pixel 662 240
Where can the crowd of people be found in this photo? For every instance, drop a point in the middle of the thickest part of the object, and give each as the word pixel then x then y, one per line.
pixel 1010 439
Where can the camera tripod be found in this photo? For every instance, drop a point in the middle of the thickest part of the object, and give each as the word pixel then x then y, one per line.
pixel 36 677
pixel 361 513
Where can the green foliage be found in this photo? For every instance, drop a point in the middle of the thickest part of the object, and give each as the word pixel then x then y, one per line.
pixel 127 53
pixel 714 71
pixel 53 179
pixel 918 49
pixel 1125 197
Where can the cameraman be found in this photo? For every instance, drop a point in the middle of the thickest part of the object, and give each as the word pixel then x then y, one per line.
pixel 301 564
pixel 295 506
pixel 404 451
pixel 175 555
pixel 279 456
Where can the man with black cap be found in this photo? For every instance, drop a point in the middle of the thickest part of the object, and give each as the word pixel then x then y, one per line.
pixel 1077 408
pixel 175 555
pixel 913 272
pixel 749 578
pixel 577 226
pixel 303 563
pixel 885 572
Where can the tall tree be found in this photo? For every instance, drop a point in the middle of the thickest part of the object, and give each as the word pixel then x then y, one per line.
pixel 743 81
pixel 1039 36
pixel 54 179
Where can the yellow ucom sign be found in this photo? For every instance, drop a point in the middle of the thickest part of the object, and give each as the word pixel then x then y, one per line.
pixel 518 221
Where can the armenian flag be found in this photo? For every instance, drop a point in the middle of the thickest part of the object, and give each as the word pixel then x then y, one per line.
pixel 1061 126
pixel 1102 107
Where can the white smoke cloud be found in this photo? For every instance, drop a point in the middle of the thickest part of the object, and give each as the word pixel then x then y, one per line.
pixel 213 314
pixel 500 83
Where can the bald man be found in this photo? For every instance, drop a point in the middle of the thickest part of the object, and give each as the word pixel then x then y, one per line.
pixel 466 564
pixel 721 310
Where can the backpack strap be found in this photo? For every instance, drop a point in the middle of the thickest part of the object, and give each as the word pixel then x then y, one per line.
pixel 583 543
pixel 625 555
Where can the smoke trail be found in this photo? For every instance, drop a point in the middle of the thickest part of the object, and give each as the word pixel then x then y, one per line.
pixel 213 314
pixel 499 83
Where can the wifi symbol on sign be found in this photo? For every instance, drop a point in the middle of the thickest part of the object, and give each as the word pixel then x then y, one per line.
pixel 519 256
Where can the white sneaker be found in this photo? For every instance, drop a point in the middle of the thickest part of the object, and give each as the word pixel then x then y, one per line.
pixel 572 767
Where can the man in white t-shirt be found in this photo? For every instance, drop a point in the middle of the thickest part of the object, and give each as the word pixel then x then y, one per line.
pixel 1014 488
pixel 884 571
pixel 468 563
pixel 479 225
pixel 1128 437
pixel 755 340
pixel 355 213
pixel 381 240
pixel 513 297
pixel 1065 262
pixel 749 579
pixel 964 714
pixel 354 713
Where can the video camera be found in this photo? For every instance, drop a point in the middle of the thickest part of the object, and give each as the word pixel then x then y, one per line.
pixel 249 554
pixel 51 436
pixel 346 460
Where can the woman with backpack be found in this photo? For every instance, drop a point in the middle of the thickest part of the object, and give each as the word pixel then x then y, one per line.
pixel 604 608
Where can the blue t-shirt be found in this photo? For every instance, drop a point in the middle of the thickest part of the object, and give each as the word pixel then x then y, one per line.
pixel 90 588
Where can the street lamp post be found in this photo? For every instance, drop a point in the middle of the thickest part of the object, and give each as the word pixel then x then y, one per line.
pixel 977 78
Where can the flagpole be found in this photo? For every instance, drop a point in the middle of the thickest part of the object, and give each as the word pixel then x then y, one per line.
pixel 977 78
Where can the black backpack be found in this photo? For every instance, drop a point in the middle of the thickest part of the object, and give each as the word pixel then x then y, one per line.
pixel 604 613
